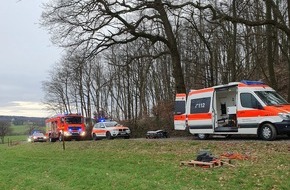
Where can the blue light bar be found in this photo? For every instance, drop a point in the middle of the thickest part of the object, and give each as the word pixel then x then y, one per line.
pixel 102 120
pixel 251 82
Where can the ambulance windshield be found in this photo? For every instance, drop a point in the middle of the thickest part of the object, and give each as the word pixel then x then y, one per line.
pixel 271 98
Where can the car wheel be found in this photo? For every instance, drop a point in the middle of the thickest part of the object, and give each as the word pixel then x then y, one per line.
pixel 127 137
pixel 202 136
pixel 268 132
pixel 108 135
pixel 95 137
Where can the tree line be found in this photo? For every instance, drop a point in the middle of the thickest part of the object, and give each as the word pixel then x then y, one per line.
pixel 128 58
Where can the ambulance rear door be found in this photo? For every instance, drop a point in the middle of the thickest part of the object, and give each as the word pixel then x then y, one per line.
pixel 179 112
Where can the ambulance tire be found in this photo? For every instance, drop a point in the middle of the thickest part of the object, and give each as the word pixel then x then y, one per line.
pixel 268 132
pixel 202 136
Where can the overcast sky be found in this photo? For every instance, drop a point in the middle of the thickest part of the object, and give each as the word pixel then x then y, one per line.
pixel 26 55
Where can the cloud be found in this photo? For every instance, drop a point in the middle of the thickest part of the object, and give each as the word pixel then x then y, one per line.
pixel 26 56
pixel 23 108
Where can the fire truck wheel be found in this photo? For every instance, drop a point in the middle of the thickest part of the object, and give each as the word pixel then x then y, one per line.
pixel 108 135
pixel 202 136
pixel 268 132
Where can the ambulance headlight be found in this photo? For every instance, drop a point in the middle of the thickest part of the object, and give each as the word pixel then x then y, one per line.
pixel 284 116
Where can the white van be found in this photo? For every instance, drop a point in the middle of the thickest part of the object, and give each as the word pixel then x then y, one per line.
pixel 246 107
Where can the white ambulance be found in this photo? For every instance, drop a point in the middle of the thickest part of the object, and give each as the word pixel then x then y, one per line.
pixel 246 107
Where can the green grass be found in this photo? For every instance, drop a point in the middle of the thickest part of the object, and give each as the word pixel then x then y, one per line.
pixel 141 164
pixel 24 129
pixel 20 129
pixel 15 138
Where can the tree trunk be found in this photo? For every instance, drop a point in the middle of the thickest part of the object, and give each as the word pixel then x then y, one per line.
pixel 288 98
pixel 270 58
pixel 234 44
pixel 172 46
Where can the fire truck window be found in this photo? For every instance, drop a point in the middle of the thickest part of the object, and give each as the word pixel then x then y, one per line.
pixel 249 101
pixel 200 105
pixel 73 120
pixel 179 107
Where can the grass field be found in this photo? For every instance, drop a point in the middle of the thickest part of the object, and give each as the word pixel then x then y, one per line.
pixel 23 129
pixel 142 164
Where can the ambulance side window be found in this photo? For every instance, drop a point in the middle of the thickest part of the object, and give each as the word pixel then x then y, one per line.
pixel 249 101
pixel 200 105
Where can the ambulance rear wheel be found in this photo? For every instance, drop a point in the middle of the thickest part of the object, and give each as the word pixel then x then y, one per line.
pixel 202 136
pixel 268 132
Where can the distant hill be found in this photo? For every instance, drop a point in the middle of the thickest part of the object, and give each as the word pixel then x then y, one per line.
pixel 21 120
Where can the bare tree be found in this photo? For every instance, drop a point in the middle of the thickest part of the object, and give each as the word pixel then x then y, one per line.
pixel 98 25
pixel 278 20
pixel 5 129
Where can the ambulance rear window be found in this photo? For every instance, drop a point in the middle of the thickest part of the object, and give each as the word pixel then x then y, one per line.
pixel 179 107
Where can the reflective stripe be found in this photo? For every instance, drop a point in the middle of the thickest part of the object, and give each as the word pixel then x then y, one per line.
pixel 199 116
pixel 179 117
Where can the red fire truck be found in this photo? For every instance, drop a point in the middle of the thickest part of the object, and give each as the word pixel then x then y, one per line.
pixel 65 127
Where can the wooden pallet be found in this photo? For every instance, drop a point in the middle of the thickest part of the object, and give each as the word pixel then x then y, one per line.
pixel 212 164
pixel 194 163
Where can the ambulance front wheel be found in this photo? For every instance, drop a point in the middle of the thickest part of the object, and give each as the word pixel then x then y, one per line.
pixel 202 136
pixel 268 132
